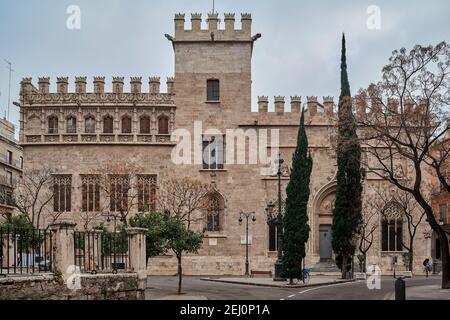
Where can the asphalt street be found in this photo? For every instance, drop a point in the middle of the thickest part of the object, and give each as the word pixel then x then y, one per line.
pixel 160 287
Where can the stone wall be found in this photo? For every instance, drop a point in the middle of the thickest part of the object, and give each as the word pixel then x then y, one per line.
pixel 93 287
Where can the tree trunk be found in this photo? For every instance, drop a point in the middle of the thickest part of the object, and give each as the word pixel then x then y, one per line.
pixel 445 254
pixel 180 274
pixel 344 266
pixel 411 258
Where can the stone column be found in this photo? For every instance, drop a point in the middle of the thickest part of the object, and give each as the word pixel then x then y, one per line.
pixel 63 247
pixel 138 251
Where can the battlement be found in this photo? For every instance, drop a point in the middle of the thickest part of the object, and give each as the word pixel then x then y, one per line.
pixel 213 32
pixel 312 106
pixel 62 85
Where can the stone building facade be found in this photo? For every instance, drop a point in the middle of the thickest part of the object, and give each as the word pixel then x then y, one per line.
pixel 76 132
pixel 11 166
pixel 441 199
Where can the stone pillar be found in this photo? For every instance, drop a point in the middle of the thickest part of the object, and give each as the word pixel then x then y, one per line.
pixel 196 21
pixel 80 85
pixel 63 247
pixel 95 249
pixel 155 85
pixel 62 85
pixel 138 251
pixel 8 243
pixel 312 106
pixel 170 85
pixel 296 104
pixel 263 104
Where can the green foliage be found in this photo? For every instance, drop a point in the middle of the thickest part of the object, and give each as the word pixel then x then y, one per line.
pixel 29 238
pixel 156 236
pixel 181 240
pixel 295 221
pixel 347 212
pixel 166 232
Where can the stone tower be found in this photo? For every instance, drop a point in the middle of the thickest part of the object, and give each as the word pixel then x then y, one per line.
pixel 213 54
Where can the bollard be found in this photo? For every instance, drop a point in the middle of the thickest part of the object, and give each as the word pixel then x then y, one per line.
pixel 400 289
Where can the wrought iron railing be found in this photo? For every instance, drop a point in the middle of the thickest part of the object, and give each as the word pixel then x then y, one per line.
pixel 25 251
pixel 102 251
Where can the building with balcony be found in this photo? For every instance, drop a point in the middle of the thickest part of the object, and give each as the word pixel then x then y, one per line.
pixel 11 166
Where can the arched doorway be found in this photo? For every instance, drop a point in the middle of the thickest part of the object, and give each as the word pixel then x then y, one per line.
pixel 322 250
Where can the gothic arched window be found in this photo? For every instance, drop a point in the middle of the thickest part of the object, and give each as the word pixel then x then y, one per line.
pixel 89 124
pixel 53 125
pixel 108 124
pixel 215 209
pixel 163 125
pixel 145 125
pixel 392 227
pixel 71 124
pixel 126 124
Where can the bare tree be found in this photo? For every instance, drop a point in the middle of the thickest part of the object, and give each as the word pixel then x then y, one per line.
pixel 408 115
pixel 118 182
pixel 185 198
pixel 33 197
pixel 367 230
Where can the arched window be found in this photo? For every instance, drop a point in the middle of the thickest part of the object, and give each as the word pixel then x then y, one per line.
pixel 213 90
pixel 163 125
pixel 215 209
pixel 392 227
pixel 145 125
pixel 126 124
pixel 89 124
pixel 108 124
pixel 71 125
pixel 53 125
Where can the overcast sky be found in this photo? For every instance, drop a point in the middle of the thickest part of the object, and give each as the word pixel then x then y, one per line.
pixel 299 52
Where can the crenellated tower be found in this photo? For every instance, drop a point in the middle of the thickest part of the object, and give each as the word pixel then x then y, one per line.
pixel 212 68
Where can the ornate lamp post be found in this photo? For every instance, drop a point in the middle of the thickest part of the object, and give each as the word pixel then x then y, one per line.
pixel 241 219
pixel 277 221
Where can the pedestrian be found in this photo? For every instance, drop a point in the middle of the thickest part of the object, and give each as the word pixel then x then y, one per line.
pixel 427 265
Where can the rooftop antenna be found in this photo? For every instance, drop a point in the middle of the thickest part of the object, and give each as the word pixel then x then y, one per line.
pixel 214 6
pixel 11 70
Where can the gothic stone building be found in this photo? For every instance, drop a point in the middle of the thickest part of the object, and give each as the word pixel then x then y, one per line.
pixel 76 132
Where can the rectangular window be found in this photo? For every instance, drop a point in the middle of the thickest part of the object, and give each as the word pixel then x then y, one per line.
pixel 443 213
pixel 119 187
pixel 213 153
pixel 273 238
pixel 147 193
pixel 21 162
pixel 9 177
pixel 90 189
pixel 9 157
pixel 62 193
pixel 213 91
pixel 392 235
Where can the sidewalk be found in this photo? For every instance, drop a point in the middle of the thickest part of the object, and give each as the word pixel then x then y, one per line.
pixel 431 292
pixel 268 282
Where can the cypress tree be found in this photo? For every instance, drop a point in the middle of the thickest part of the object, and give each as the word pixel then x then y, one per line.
pixel 295 221
pixel 347 212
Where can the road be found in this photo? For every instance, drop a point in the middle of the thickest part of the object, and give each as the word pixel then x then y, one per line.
pixel 160 287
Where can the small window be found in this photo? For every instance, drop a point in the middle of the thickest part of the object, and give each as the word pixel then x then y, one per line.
pixel 163 125
pixel 443 213
pixel 213 153
pixel 9 157
pixel 126 124
pixel 53 125
pixel 9 177
pixel 213 90
pixel 108 124
pixel 21 162
pixel 71 125
pixel 145 125
pixel 89 125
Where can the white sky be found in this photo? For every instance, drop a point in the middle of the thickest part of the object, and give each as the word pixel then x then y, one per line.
pixel 299 53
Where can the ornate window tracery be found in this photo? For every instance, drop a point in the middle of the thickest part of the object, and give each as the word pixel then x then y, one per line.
pixel 392 227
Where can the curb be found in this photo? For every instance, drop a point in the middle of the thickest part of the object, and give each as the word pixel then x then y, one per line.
pixel 280 286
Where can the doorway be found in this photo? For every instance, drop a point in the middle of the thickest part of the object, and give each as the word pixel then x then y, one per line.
pixel 325 245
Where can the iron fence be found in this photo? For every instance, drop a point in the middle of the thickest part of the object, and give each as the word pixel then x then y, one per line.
pixel 102 251
pixel 25 251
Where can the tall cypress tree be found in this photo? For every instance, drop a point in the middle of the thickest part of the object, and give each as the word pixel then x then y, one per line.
pixel 295 221
pixel 347 212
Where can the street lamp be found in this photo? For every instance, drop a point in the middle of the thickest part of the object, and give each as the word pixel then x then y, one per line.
pixel 241 219
pixel 277 221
